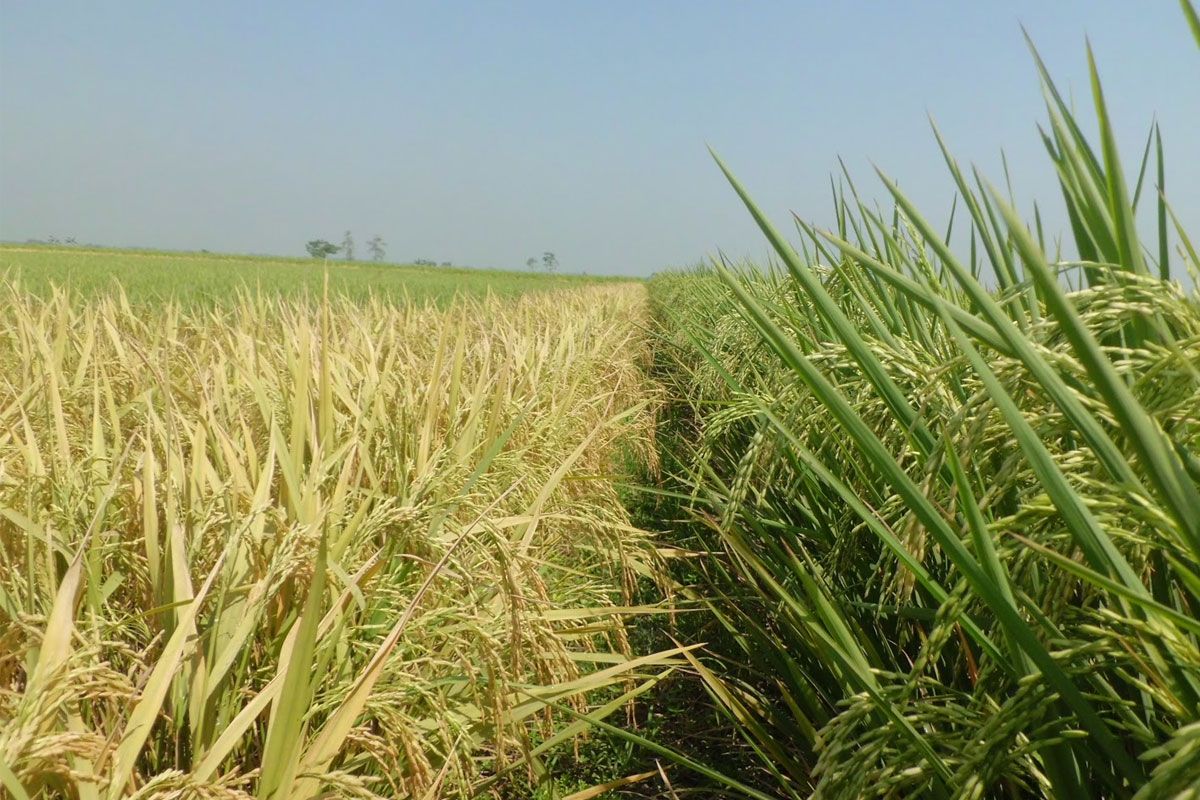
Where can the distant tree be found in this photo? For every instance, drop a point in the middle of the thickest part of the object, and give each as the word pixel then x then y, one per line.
pixel 549 262
pixel 319 248
pixel 532 263
pixel 348 246
pixel 52 239
pixel 376 246
pixel 425 262
pixel 447 264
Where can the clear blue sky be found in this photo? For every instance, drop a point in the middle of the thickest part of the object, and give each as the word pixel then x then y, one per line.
pixel 484 133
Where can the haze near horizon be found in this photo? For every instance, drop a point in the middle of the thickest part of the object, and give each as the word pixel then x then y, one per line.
pixel 485 136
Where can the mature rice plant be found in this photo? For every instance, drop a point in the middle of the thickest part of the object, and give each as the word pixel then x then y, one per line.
pixel 952 503
pixel 300 548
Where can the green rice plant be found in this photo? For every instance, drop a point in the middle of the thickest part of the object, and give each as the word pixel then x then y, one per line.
pixel 296 548
pixel 149 277
pixel 953 527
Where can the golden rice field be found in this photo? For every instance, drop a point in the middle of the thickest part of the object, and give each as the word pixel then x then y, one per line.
pixel 314 547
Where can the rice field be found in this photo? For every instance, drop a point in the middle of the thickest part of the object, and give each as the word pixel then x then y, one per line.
pixel 911 511
pixel 287 547
pixel 209 278
pixel 947 491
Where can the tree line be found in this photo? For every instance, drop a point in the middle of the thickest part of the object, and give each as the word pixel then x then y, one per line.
pixel 320 248
pixel 376 246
